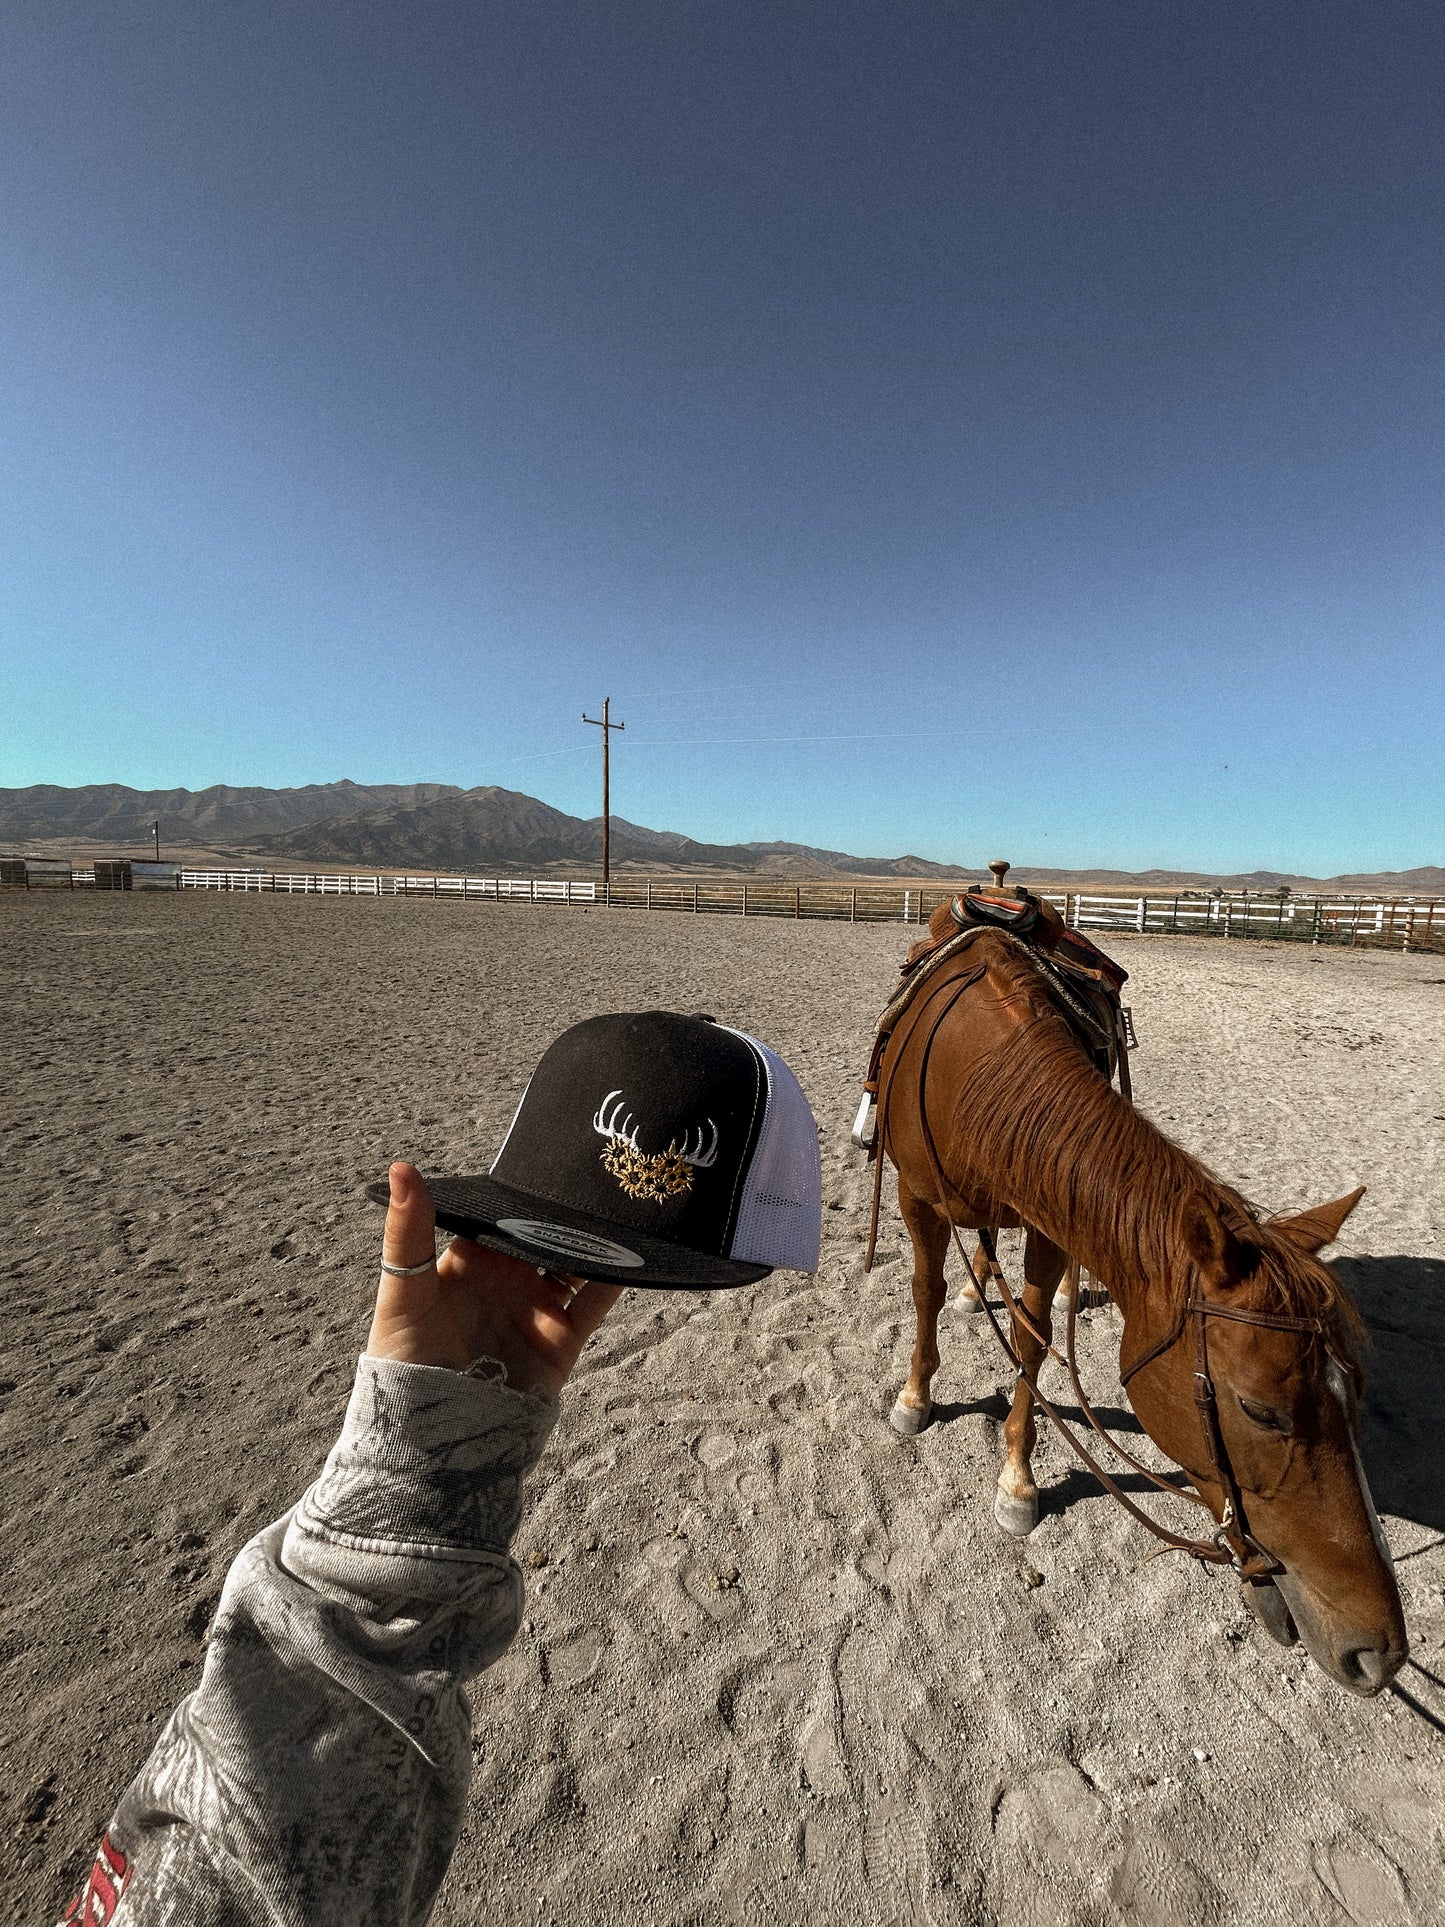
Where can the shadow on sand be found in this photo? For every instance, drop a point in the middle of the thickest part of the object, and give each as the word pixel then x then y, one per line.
pixel 1402 1415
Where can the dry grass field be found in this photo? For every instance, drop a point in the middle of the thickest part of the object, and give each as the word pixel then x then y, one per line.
pixel 778 1665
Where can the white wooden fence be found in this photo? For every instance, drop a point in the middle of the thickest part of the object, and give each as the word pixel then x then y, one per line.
pixel 317 883
pixel 1407 923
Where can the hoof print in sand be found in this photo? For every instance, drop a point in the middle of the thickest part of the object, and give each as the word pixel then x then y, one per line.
pixel 1364 1883
pixel 716 1590
pixel 575 1659
pixel 715 1449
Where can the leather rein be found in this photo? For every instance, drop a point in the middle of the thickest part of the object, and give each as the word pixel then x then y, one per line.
pixel 1231 1544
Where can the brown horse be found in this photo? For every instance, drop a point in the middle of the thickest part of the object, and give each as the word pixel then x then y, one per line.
pixel 995 1115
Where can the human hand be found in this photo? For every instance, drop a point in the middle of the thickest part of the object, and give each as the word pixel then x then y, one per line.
pixel 477 1303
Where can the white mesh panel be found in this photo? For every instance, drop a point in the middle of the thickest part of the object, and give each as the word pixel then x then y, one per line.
pixel 780 1215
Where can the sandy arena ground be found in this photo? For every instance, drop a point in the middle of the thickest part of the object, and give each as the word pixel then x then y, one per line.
pixel 777 1665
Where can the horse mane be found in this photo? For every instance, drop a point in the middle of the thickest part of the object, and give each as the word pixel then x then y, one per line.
pixel 1050 1130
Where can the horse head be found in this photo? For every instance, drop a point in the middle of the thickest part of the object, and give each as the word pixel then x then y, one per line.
pixel 1286 1396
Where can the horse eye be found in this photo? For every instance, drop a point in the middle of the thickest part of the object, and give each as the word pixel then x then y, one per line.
pixel 1264 1415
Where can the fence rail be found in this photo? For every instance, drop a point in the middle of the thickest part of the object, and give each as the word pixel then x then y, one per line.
pixel 1407 923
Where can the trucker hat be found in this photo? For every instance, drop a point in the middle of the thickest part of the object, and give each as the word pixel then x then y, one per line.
pixel 650 1149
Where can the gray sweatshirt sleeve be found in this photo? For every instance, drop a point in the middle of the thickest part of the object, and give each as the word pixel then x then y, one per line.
pixel 318 1773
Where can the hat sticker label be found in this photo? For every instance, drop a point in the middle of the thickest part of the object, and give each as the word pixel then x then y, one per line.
pixel 656 1175
pixel 567 1241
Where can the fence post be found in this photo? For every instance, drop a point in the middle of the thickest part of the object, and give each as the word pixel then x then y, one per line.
pixel 1141 912
pixel 797 900
pixel 745 899
pixel 694 898
pixel 649 893
pixel 1229 918
pixel 853 910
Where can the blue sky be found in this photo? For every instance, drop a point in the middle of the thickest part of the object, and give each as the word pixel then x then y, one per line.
pixel 954 429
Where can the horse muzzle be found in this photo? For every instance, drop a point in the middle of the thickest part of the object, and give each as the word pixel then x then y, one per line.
pixel 1362 1659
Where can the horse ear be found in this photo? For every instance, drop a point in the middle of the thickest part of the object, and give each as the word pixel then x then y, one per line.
pixel 1221 1258
pixel 1313 1230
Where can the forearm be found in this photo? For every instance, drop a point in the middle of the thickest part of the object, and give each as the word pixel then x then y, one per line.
pixel 319 1772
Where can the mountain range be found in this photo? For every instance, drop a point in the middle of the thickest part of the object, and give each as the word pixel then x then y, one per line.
pixel 438 826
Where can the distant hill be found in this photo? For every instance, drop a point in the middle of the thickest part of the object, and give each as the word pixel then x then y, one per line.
pixel 111 813
pixel 492 828
pixel 1424 882
pixel 437 826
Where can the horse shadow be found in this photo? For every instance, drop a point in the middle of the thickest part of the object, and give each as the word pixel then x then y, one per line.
pixel 1077 1483
pixel 1402 1413
pixel 947 1410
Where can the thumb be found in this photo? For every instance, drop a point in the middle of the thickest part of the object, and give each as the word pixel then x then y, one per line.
pixel 411 1222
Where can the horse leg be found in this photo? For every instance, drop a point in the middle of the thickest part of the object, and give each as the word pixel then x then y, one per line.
pixel 929 1232
pixel 984 1270
pixel 1016 1504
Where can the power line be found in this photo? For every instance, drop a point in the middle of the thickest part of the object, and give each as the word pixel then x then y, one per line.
pixel 860 736
pixel 704 742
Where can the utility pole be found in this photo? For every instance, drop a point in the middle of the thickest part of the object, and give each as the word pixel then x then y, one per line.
pixel 605 723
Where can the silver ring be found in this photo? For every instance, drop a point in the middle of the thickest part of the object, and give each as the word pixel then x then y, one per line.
pixel 408 1271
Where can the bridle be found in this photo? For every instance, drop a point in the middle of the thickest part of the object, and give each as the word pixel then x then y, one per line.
pixel 1233 1535
pixel 1231 1544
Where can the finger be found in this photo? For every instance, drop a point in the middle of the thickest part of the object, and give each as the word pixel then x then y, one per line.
pixel 591 1305
pixel 461 1256
pixel 410 1234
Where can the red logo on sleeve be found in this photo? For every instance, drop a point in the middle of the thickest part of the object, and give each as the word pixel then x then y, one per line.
pixel 98 1899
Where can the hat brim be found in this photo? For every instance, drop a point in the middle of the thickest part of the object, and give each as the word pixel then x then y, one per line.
pixel 478 1208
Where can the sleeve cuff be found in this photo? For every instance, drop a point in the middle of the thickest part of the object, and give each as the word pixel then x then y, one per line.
pixel 429 1455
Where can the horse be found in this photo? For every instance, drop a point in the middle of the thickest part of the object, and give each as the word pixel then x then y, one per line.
pixel 1240 1350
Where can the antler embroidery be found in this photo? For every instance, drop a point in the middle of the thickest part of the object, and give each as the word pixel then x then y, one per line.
pixel 657 1175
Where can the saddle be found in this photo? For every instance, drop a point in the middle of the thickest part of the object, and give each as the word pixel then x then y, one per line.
pixel 1084 984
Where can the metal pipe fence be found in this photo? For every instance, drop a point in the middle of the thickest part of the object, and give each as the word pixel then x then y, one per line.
pixel 1405 923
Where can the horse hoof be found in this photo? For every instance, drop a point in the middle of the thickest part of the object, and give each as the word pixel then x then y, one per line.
pixel 1018 1517
pixel 969 1300
pixel 909 1420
